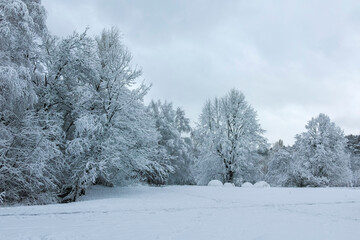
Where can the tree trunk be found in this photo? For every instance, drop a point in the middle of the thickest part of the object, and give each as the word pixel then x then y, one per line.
pixel 229 175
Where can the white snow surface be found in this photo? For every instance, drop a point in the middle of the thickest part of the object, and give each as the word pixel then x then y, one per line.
pixel 247 185
pixel 191 212
pixel 215 183
pixel 229 184
pixel 261 184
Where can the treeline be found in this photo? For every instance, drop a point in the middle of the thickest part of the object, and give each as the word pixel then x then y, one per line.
pixel 72 115
pixel 229 146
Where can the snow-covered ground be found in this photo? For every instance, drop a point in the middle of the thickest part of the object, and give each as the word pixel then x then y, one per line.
pixel 191 212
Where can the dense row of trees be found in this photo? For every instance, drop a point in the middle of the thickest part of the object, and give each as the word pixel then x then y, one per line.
pixel 229 146
pixel 72 114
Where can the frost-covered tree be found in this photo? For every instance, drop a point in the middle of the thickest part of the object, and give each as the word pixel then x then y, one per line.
pixel 354 150
pixel 172 125
pixel 280 164
pixel 71 112
pixel 228 138
pixel 320 155
pixel 29 146
pixel 71 64
pixel 109 136
pixel 131 147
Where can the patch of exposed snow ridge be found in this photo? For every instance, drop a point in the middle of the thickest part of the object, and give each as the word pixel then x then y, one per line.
pixel 215 183
pixel 247 185
pixel 261 184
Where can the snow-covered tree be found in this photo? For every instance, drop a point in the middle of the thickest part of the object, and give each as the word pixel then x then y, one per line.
pixel 131 146
pixel 279 164
pixel 71 64
pixel 109 135
pixel 320 155
pixel 71 111
pixel 228 138
pixel 29 147
pixel 172 124
pixel 354 150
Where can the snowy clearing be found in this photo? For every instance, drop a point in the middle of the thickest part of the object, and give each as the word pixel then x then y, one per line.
pixel 191 212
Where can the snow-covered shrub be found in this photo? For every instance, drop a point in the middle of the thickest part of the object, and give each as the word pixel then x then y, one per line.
pixel 215 183
pixel 238 181
pixel 261 184
pixel 247 185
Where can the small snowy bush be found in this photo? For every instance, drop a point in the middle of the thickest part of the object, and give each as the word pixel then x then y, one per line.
pixel 215 183
pixel 229 185
pixel 261 184
pixel 247 185
pixel 238 181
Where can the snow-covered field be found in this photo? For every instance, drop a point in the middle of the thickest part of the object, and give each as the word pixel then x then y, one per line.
pixel 191 212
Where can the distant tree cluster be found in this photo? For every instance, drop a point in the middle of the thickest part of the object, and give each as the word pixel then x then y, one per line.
pixel 319 157
pixel 229 146
pixel 72 115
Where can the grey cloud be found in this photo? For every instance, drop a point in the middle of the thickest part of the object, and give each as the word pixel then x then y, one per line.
pixel 292 59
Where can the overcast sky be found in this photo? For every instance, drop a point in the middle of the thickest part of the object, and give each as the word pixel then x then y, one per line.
pixel 291 59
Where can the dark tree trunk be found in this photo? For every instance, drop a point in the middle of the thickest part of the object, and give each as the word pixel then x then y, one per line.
pixel 229 175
